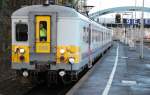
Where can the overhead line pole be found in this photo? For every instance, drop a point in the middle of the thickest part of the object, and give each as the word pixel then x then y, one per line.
pixel 131 27
pixel 135 26
pixel 142 32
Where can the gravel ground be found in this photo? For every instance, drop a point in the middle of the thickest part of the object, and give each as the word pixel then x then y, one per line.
pixel 5 70
pixel 12 87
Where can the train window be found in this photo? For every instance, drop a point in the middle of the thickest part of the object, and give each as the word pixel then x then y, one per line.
pixel 43 30
pixel 84 34
pixel 93 34
pixel 102 36
pixel 97 36
pixel 88 37
pixel 21 32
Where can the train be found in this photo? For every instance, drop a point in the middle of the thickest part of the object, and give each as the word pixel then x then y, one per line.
pixel 53 42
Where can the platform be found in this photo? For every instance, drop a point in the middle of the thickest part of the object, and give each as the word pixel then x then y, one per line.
pixel 119 72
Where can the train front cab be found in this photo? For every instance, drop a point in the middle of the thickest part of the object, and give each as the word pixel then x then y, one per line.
pixel 24 48
pixel 53 53
pixel 34 53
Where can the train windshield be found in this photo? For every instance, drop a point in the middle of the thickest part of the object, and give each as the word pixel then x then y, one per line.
pixel 21 32
pixel 43 31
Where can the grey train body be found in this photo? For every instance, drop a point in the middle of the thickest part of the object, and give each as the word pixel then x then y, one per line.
pixel 72 43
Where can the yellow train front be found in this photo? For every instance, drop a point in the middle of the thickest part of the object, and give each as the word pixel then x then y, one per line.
pixel 55 41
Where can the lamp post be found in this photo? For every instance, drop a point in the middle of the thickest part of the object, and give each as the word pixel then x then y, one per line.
pixel 135 19
pixel 131 28
pixel 124 26
pixel 142 30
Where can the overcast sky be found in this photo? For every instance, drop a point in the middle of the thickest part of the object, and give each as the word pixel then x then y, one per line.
pixel 104 4
pixel 116 2
pixel 93 2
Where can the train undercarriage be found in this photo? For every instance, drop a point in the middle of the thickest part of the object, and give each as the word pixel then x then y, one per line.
pixel 43 74
pixel 48 77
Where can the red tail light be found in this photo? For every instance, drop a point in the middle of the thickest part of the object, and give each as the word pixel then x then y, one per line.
pixel 22 58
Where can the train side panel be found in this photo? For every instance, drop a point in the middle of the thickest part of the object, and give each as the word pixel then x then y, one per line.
pixel 68 41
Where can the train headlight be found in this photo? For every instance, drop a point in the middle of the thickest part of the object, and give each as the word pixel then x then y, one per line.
pixel 62 51
pixel 62 73
pixel 25 73
pixel 71 60
pixel 22 51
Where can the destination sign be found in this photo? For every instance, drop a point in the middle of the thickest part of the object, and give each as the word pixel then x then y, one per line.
pixel 136 21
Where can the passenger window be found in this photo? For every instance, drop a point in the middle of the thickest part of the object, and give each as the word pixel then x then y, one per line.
pixel 84 34
pixel 21 32
pixel 43 30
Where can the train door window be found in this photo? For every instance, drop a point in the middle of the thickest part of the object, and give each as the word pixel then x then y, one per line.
pixel 88 35
pixel 99 36
pixel 92 35
pixel 21 32
pixel 43 30
pixel 96 36
pixel 102 36
pixel 89 29
pixel 84 34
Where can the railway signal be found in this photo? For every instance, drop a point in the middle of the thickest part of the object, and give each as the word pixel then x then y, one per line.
pixel 118 18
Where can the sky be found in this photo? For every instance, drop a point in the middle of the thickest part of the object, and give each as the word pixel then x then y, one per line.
pixel 120 2
pixel 93 2
pixel 104 4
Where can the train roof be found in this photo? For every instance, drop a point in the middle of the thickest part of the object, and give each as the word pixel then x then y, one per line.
pixel 61 10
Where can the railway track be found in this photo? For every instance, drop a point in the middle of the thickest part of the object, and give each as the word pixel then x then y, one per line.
pixel 10 86
pixel 59 89
pixel 44 90
pixel 8 78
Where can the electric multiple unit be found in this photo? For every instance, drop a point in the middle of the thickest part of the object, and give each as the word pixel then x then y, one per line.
pixel 55 41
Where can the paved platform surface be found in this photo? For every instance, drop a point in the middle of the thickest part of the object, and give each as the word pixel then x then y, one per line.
pixel 120 72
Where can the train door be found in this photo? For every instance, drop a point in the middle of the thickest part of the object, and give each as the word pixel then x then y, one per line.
pixel 42 34
pixel 89 45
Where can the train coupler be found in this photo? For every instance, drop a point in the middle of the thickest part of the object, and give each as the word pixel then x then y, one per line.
pixel 52 77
